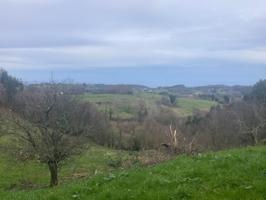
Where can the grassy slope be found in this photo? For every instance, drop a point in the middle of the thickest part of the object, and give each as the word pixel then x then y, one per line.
pixel 233 174
pixel 124 106
pixel 186 106
pixel 20 174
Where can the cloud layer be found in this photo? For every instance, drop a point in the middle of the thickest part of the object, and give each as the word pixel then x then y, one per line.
pixel 130 33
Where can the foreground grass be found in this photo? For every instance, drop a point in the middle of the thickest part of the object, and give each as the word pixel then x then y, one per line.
pixel 233 174
pixel 30 174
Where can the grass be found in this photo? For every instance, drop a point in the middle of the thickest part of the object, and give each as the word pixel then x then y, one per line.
pixel 186 106
pixel 126 106
pixel 16 174
pixel 232 174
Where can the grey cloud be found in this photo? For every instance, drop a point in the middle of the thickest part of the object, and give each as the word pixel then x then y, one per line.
pixel 130 32
pixel 29 40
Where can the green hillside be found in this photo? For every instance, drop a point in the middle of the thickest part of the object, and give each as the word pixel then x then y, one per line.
pixel 28 174
pixel 124 106
pixel 231 174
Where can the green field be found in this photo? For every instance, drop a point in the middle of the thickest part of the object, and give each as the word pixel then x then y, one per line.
pixel 125 106
pixel 27 174
pixel 232 174
pixel 186 106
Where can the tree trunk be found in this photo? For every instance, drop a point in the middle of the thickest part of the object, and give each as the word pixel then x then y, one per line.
pixel 53 167
pixel 120 139
pixel 254 137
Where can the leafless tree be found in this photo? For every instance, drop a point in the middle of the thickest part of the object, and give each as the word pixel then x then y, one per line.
pixel 176 139
pixel 251 119
pixel 54 125
pixel 142 111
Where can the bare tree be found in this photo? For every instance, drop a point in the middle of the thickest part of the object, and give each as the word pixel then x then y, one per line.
pixel 176 139
pixel 54 125
pixel 251 119
pixel 142 111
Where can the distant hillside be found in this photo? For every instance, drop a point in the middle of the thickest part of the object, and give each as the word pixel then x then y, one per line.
pixel 179 90
pixel 210 92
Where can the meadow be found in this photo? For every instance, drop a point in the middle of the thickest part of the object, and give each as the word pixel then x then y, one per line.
pixel 231 174
pixel 124 105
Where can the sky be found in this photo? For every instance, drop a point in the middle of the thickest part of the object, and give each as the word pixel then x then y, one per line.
pixel 151 42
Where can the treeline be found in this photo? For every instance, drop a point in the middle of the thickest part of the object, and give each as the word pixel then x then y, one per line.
pixel 79 89
pixel 234 124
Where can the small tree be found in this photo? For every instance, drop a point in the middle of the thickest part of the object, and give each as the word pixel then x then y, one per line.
pixel 258 92
pixel 9 86
pixel 172 99
pixel 54 124
pixel 251 120
pixel 142 111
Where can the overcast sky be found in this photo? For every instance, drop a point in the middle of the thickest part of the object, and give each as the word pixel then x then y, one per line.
pixel 179 35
